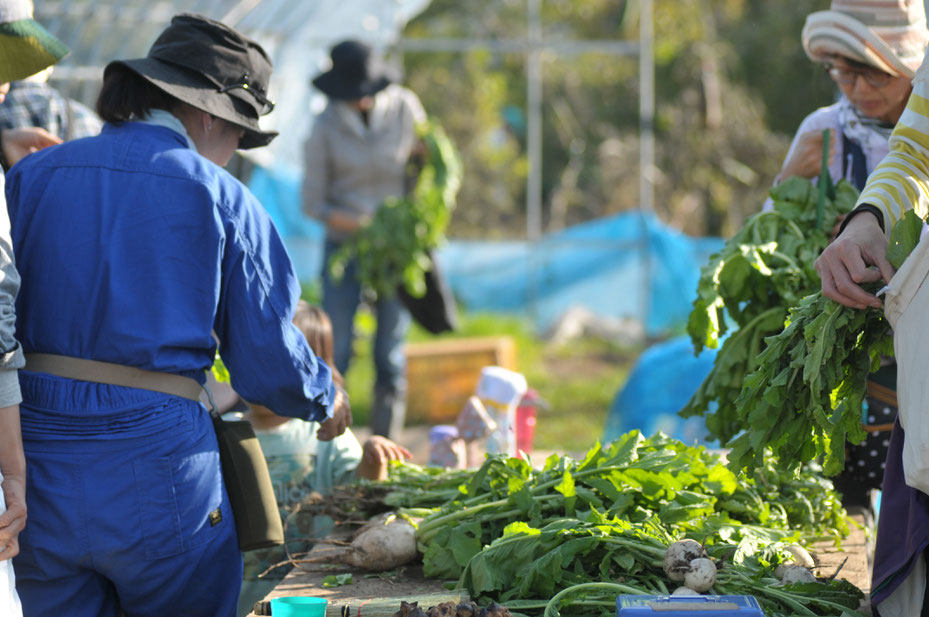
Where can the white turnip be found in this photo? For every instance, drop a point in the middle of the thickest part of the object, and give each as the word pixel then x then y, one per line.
pixel 801 556
pixel 701 576
pixel 685 591
pixel 680 554
pixel 383 546
pixel 792 574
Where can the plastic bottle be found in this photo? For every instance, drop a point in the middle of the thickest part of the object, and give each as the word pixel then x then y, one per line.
pixel 446 448
pixel 526 418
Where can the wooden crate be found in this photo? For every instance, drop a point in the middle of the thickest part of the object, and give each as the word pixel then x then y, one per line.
pixel 441 375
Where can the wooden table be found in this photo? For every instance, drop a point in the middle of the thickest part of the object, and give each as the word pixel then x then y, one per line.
pixel 400 584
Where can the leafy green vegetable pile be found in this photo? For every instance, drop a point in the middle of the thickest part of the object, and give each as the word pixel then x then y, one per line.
pixel 605 521
pixel 805 398
pixel 531 568
pixel 634 479
pixel 762 271
pixel 393 249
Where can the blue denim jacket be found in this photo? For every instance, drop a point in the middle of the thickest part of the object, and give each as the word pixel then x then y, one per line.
pixel 134 249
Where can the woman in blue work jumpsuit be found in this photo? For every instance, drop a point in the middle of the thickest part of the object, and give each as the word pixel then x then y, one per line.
pixel 135 247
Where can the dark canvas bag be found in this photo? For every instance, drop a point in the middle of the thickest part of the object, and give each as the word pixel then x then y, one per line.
pixel 435 310
pixel 248 482
pixel 245 471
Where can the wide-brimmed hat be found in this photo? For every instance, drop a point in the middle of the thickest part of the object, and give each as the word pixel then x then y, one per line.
pixel 25 47
pixel 356 72
pixel 890 35
pixel 212 67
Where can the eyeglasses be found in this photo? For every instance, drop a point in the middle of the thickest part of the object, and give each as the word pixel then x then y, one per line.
pixel 876 78
pixel 267 105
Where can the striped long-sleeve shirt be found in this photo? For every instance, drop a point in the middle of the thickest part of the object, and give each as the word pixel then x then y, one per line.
pixel 901 180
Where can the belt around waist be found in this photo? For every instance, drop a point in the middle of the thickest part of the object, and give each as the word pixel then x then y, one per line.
pixel 113 374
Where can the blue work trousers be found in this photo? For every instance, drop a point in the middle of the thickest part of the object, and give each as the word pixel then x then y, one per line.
pixel 340 300
pixel 127 506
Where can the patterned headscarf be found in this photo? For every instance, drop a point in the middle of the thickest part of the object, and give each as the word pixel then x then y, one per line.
pixel 890 35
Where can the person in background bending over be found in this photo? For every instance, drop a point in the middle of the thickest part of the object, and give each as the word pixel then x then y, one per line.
pixel 25 47
pixel 300 465
pixel 355 157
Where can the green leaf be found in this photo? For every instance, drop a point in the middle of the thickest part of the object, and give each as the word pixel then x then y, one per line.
pixel 566 487
pixel 220 372
pixel 465 542
pixel 337 580
pixel 903 238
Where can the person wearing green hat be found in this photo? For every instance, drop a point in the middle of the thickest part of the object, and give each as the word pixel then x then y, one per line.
pixel 25 48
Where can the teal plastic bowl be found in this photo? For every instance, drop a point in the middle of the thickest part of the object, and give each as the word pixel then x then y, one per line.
pixel 298 606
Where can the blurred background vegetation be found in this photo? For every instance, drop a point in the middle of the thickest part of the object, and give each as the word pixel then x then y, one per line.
pixel 732 85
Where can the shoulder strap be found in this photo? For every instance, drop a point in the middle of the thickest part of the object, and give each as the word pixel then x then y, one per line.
pixel 855 162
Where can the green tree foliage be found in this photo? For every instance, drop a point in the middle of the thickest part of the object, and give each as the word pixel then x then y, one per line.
pixel 732 81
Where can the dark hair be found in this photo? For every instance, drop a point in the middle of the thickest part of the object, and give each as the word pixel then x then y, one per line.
pixel 126 94
pixel 855 64
pixel 315 325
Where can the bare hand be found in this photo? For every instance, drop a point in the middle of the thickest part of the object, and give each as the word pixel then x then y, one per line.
pixel 844 265
pixel 806 160
pixel 378 451
pixel 341 418
pixel 14 519
pixel 18 143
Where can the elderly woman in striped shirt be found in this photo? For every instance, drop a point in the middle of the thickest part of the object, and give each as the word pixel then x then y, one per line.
pixel 871 49
pixel 900 182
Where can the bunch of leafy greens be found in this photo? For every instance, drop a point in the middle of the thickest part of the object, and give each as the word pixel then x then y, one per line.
pixel 750 284
pixel 804 400
pixel 393 250
pixel 534 568
pixel 633 479
pixel 591 528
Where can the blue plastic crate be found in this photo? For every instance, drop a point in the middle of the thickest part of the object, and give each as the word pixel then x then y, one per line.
pixel 687 606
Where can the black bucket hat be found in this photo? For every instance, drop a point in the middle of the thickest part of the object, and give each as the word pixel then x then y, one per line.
pixel 356 73
pixel 212 67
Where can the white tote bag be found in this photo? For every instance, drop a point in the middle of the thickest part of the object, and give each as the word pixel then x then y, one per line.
pixel 906 306
pixel 9 601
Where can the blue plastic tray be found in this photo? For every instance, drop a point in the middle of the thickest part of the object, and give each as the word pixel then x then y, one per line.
pixel 687 606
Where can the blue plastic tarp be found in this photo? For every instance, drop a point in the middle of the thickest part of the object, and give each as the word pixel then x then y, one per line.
pixel 624 266
pixel 628 265
pixel 660 383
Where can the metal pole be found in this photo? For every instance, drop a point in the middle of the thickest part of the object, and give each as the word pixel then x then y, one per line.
pixel 646 109
pixel 646 150
pixel 534 123
pixel 534 152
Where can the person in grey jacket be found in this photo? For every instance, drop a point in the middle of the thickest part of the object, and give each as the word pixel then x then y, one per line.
pixel 355 158
pixel 25 48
